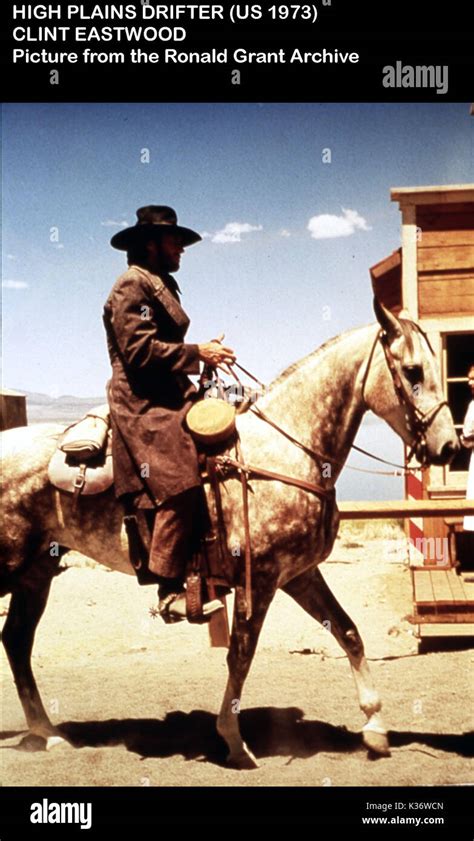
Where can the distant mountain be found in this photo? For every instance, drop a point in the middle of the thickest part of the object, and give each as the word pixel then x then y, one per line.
pixel 68 407
pixel 42 407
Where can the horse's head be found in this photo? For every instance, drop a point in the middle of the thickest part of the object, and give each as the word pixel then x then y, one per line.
pixel 403 386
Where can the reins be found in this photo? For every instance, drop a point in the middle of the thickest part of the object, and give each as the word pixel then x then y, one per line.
pixel 220 466
pixel 224 465
pixel 417 422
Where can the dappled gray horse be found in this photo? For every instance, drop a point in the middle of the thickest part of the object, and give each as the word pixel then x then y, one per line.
pixel 320 401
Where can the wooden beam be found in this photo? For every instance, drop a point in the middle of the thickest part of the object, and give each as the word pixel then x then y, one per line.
pixel 454 619
pixel 444 294
pixel 423 587
pixel 409 260
pixel 448 258
pixel 219 636
pixel 387 264
pixel 404 508
pixel 454 323
pixel 444 630
pixel 446 238
pixel 434 194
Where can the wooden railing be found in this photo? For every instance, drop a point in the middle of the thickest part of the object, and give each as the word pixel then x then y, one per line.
pixel 403 508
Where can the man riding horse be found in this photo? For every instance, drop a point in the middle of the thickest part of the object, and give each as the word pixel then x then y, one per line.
pixel 149 394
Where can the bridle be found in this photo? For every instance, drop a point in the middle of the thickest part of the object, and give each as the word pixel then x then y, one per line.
pixel 417 422
pixel 222 465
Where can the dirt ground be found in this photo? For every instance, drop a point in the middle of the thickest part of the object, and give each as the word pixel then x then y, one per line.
pixel 138 699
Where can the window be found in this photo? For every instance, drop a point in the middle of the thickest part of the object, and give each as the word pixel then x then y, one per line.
pixel 458 357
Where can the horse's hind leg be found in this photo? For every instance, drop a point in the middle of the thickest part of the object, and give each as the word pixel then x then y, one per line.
pixel 27 605
pixel 313 594
pixel 244 638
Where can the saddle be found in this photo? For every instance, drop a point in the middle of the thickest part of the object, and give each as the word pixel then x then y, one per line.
pixel 82 465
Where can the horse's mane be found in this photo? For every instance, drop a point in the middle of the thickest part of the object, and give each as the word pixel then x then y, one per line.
pixel 319 351
pixel 407 326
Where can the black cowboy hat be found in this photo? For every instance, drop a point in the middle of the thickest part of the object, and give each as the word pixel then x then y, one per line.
pixel 153 219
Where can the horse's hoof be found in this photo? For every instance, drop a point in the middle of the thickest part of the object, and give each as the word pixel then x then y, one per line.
pixel 56 742
pixel 376 742
pixel 242 761
pixel 32 743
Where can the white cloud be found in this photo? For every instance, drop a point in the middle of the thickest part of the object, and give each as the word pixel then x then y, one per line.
pixel 232 232
pixel 285 232
pixel 14 284
pixel 327 226
pixel 112 223
pixel 11 256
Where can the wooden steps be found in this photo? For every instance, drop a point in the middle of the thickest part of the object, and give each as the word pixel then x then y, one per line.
pixel 441 595
pixel 454 630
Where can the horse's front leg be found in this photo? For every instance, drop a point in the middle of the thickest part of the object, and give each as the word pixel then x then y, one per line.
pixel 27 604
pixel 313 594
pixel 244 638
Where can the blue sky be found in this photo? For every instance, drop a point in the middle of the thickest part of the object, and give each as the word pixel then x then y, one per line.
pixel 289 238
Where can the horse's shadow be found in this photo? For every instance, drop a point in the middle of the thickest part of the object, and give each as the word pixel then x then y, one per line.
pixel 270 731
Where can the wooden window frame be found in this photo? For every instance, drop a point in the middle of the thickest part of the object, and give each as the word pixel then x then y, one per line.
pixel 452 479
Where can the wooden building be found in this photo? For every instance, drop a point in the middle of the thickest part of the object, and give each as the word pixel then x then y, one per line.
pixel 432 277
pixel 12 409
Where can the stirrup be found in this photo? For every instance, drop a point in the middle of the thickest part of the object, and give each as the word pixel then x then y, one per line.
pixel 163 609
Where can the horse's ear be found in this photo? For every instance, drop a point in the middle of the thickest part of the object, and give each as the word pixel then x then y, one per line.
pixel 387 320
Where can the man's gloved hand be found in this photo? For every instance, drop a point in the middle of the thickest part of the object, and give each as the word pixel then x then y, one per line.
pixel 215 353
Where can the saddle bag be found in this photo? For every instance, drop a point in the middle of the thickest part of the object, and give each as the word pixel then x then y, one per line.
pixel 82 463
pixel 87 438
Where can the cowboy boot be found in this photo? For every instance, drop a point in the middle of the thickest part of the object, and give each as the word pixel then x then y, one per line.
pixel 172 604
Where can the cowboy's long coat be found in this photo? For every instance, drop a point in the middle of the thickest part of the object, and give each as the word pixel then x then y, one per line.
pixel 149 392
